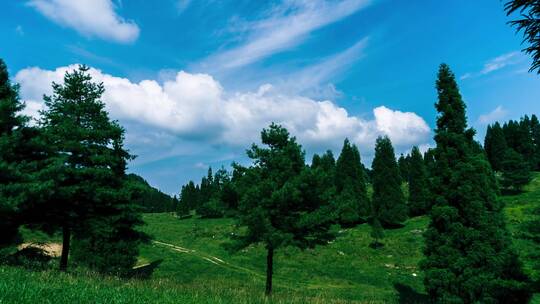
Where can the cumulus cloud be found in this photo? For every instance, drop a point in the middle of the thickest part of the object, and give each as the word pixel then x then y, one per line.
pixel 285 26
pixel 498 113
pixel 92 18
pixel 196 107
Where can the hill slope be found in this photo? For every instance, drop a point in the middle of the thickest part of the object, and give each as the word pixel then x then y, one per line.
pixel 197 269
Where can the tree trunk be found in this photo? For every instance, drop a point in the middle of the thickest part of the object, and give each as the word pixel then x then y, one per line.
pixel 269 269
pixel 66 233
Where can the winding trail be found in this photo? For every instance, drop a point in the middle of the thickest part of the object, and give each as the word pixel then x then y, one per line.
pixel 209 258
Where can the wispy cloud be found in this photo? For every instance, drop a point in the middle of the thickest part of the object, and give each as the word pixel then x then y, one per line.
pixel 495 64
pixel 182 5
pixel 498 113
pixel 91 18
pixel 285 26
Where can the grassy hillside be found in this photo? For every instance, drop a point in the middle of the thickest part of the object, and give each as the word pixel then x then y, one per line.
pixel 196 268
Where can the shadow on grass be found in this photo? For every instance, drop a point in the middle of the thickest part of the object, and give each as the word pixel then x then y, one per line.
pixel 145 271
pixel 407 294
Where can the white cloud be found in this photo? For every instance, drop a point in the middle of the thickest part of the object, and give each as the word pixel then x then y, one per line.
pixel 495 64
pixel 92 18
pixel 498 113
pixel 285 26
pixel 196 107
pixel 182 5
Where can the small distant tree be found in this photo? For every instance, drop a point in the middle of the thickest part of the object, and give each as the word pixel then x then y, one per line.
pixel 377 233
pixel 529 22
pixel 515 171
pixel 352 203
pixel 388 199
pixel 418 184
pixel 283 201
pixel 495 146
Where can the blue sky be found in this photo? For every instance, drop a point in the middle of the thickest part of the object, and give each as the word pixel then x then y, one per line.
pixel 194 81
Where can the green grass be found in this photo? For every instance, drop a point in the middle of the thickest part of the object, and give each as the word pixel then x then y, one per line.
pixel 197 269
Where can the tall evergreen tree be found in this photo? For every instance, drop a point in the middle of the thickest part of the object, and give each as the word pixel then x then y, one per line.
pixel 352 203
pixel 403 164
pixel 12 137
pixel 283 201
pixel 388 200
pixel 535 133
pixel 495 146
pixel 88 197
pixel 515 171
pixel 468 255
pixel 418 184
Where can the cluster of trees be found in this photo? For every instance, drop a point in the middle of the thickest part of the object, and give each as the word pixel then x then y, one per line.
pixel 514 150
pixel 150 199
pixel 66 174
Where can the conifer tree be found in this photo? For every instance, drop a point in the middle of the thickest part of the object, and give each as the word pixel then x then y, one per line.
pixel 535 133
pixel 283 201
pixel 352 203
pixel 88 198
pixel 468 255
pixel 418 184
pixel 495 146
pixel 403 164
pixel 388 200
pixel 12 126
pixel 515 171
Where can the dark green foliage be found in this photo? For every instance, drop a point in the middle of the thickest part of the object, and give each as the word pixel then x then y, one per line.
pixel 88 197
pixel 10 123
pixel 529 12
pixel 515 171
pixel 377 233
pixel 149 198
pixel 495 146
pixel 535 133
pixel 283 202
pixel 403 164
pixel 418 184
pixel 469 254
pixel 352 203
pixel 388 199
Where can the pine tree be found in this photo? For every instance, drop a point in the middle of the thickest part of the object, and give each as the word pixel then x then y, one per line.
pixel 515 171
pixel 283 201
pixel 89 197
pixel 468 255
pixel 495 146
pixel 11 139
pixel 388 199
pixel 403 164
pixel 418 184
pixel 352 203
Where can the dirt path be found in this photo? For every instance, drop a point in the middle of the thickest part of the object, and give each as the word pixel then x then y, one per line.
pixel 52 249
pixel 209 258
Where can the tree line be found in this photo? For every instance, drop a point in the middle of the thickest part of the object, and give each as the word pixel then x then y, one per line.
pixel 66 174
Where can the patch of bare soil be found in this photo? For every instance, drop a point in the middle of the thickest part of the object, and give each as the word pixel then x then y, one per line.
pixel 52 249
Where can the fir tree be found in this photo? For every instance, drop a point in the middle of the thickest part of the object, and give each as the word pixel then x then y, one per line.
pixel 418 184
pixel 388 199
pixel 535 133
pixel 352 203
pixel 468 255
pixel 515 171
pixel 88 198
pixel 11 140
pixel 283 202
pixel 495 146
pixel 403 164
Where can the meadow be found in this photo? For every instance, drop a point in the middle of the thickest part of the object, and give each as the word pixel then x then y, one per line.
pixel 195 266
